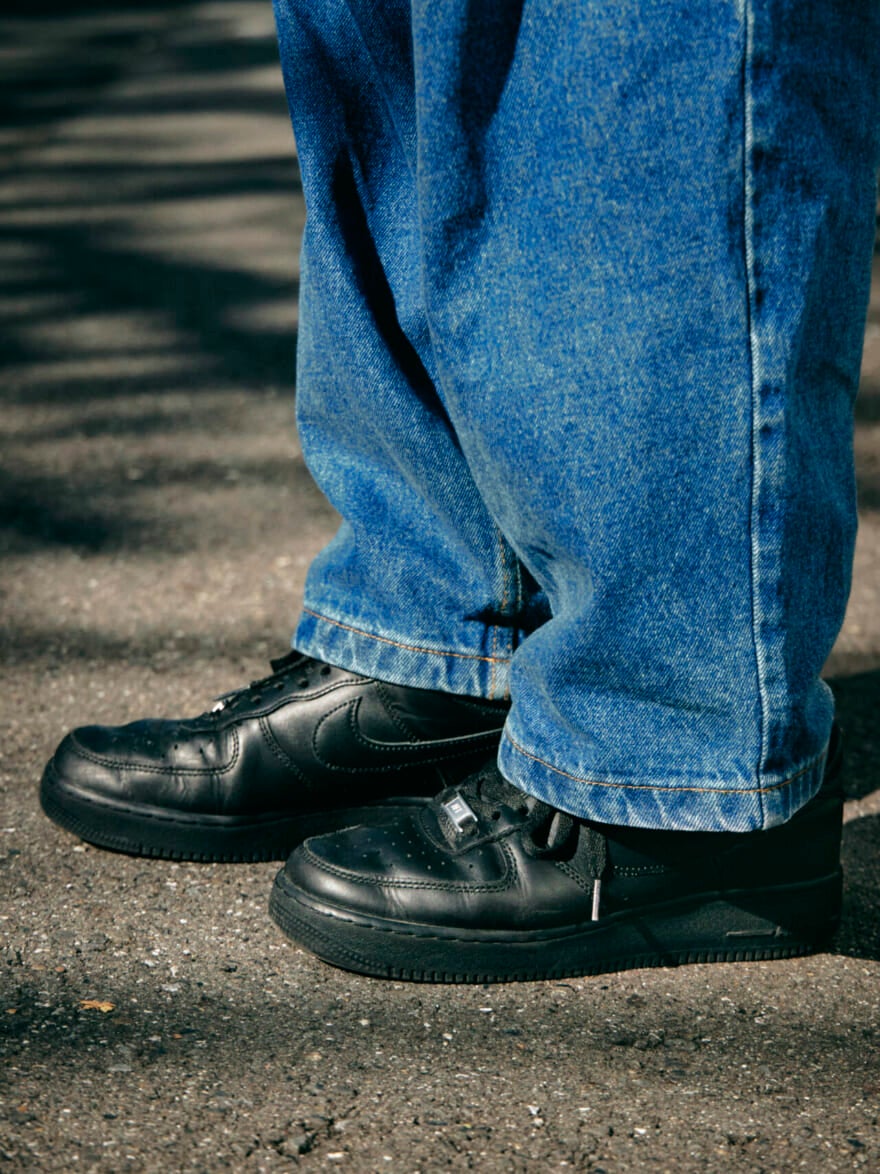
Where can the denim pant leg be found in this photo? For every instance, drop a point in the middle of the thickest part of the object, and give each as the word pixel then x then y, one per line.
pixel 419 586
pixel 628 245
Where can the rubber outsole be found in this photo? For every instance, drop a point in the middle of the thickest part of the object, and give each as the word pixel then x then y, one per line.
pixel 167 835
pixel 785 921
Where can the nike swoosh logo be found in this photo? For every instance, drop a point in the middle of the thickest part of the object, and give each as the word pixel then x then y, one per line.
pixel 339 743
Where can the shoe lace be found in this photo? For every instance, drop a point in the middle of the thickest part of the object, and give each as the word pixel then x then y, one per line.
pixel 545 831
pixel 283 668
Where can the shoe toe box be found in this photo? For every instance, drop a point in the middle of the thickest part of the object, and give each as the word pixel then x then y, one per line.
pixel 393 871
pixel 144 763
pixel 87 758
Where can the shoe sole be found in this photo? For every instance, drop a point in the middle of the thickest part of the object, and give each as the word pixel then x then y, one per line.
pixel 750 925
pixel 140 831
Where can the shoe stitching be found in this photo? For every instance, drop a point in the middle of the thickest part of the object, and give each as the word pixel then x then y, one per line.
pixel 434 886
pixel 630 871
pixel 457 741
pixel 199 820
pixel 458 748
pixel 275 748
pixel 114 763
pixel 538 936
pixel 666 787
pixel 393 710
pixel 396 718
pixel 312 695
pixel 573 874
pixel 398 643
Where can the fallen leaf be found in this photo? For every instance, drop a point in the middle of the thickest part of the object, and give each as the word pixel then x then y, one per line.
pixel 97 1005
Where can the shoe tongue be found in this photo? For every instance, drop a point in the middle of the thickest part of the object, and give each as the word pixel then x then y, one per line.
pixel 488 787
pixel 466 811
pixel 280 663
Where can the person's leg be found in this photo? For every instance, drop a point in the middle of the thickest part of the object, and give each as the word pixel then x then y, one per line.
pixel 419 585
pixel 419 589
pixel 606 276
pixel 645 238
pixel 647 232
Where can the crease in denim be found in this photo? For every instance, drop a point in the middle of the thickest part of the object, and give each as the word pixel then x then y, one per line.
pixel 748 189
pixel 377 78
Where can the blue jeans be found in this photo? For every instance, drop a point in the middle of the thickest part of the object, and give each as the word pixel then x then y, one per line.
pixel 582 305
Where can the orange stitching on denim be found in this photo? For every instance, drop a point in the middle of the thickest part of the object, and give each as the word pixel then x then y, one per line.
pixel 660 787
pixel 397 643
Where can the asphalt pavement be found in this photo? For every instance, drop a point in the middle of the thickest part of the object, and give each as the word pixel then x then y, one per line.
pixel 157 520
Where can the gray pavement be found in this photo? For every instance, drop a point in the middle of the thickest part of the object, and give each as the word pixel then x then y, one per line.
pixel 156 523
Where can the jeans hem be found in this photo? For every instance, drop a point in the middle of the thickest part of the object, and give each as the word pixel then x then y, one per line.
pixel 688 805
pixel 400 659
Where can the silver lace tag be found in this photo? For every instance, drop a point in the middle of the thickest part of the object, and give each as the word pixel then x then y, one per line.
pixel 460 813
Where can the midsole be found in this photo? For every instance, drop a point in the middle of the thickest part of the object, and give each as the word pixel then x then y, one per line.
pixel 742 899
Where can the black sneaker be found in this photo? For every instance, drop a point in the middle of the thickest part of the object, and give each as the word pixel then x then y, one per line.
pixel 486 884
pixel 308 749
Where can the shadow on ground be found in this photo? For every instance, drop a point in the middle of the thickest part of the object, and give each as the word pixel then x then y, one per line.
pixel 149 267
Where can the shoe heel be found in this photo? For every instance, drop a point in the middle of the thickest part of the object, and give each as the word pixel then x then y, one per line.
pixel 780 922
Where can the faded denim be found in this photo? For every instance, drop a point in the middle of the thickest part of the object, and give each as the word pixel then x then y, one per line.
pixel 582 304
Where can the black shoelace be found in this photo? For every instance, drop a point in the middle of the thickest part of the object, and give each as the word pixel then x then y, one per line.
pixel 283 668
pixel 545 831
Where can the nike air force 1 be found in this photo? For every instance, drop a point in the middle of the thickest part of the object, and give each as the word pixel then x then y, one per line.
pixel 487 884
pixel 309 749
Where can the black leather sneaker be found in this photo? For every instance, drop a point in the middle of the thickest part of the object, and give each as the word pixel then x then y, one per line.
pixel 486 884
pixel 308 749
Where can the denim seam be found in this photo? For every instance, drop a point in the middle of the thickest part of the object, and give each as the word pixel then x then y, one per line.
pixel 400 644
pixel 665 786
pixel 748 188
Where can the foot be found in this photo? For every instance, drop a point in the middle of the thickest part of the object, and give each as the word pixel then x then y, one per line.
pixel 308 749
pixel 486 884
